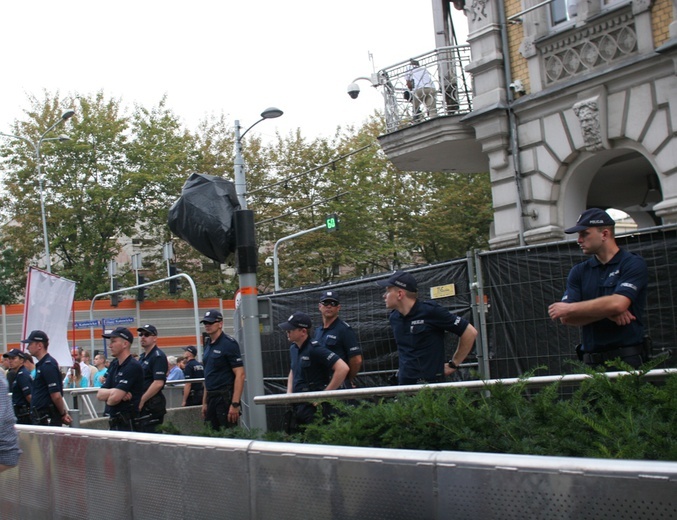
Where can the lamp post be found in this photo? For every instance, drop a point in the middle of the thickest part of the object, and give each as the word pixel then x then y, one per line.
pixel 36 148
pixel 245 240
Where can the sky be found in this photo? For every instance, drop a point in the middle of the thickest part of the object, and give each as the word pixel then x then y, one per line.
pixel 235 58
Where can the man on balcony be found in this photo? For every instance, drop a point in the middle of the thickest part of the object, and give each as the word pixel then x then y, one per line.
pixel 422 87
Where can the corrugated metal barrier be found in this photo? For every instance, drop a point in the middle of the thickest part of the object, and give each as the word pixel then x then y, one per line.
pixel 68 473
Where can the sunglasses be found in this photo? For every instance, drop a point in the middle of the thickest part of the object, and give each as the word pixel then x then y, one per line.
pixel 144 335
pixel 330 304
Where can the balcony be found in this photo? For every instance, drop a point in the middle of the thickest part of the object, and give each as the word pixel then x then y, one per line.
pixel 424 128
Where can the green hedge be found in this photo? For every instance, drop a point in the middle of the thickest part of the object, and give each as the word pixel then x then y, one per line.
pixel 625 418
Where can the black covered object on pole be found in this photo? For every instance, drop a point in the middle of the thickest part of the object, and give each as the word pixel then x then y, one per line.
pixel 245 232
pixel 203 215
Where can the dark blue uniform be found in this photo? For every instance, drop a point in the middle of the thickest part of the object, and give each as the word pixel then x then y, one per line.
pixel 194 370
pixel 21 388
pixel 420 341
pixel 220 357
pixel 340 338
pixel 47 381
pixel 155 368
pixel 626 274
pixel 127 377
pixel 311 366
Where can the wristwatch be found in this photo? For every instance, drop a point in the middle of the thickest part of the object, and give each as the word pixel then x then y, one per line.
pixel 452 364
pixel 235 404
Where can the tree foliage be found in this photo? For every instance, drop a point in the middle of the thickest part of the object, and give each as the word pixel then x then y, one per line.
pixel 107 192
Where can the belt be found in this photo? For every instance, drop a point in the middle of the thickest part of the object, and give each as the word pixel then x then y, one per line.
pixel 608 355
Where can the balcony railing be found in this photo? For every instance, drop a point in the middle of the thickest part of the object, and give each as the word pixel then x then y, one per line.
pixel 449 95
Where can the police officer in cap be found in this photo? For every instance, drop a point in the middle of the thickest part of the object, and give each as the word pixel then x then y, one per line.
pixel 419 327
pixel 192 392
pixel 48 407
pixel 123 386
pixel 224 374
pixel 22 386
pixel 153 405
pixel 313 367
pixel 605 295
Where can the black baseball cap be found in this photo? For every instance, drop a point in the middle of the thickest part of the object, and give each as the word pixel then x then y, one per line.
pixel 593 217
pixel 298 320
pixel 329 296
pixel 36 335
pixel 212 316
pixel 191 349
pixel 402 280
pixel 120 332
pixel 15 352
pixel 150 329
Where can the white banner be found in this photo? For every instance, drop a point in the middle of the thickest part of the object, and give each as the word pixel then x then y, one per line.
pixel 49 301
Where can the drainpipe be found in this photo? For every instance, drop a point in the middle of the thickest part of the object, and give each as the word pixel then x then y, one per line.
pixel 512 122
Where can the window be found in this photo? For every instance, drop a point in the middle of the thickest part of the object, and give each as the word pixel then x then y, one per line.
pixel 563 11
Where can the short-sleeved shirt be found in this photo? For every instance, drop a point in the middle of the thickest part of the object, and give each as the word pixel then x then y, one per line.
pixel 311 366
pixel 47 381
pixel 97 382
pixel 154 365
pixel 127 377
pixel 339 337
pixel 625 274
pixel 21 387
pixel 194 370
pixel 420 341
pixel 220 357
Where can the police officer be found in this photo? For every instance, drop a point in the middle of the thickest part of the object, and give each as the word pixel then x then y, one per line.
pixel 605 295
pixel 123 386
pixel 339 337
pixel 224 374
pixel 153 405
pixel 419 327
pixel 48 407
pixel 192 392
pixel 22 386
pixel 313 367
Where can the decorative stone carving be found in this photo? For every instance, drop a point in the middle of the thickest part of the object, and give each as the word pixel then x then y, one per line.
pixel 639 6
pixel 588 113
pixel 591 46
pixel 528 48
pixel 478 9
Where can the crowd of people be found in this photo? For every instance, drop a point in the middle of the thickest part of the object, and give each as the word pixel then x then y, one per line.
pixel 605 297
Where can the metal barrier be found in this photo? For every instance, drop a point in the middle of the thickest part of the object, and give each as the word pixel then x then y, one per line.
pixel 478 385
pixel 69 473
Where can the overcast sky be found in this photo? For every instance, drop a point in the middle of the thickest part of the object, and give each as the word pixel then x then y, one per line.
pixel 212 57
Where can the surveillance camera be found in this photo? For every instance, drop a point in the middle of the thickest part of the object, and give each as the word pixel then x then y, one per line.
pixel 517 86
pixel 353 90
pixel 269 261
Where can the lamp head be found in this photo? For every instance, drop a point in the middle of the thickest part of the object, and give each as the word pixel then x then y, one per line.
pixel 63 137
pixel 67 115
pixel 271 113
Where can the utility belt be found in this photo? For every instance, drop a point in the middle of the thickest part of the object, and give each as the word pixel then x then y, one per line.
pixel 598 358
pixel 124 421
pixel 226 393
pixel 44 416
pixel 156 405
pixel 22 412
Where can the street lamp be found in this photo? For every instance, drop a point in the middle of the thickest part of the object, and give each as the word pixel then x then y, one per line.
pixel 245 240
pixel 36 148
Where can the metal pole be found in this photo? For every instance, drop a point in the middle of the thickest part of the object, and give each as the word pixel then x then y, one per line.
pixel 249 300
pixel 283 239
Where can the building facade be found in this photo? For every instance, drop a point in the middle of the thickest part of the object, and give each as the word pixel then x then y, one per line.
pixel 568 106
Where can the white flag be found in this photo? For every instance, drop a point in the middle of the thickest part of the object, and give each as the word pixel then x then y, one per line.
pixel 49 301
